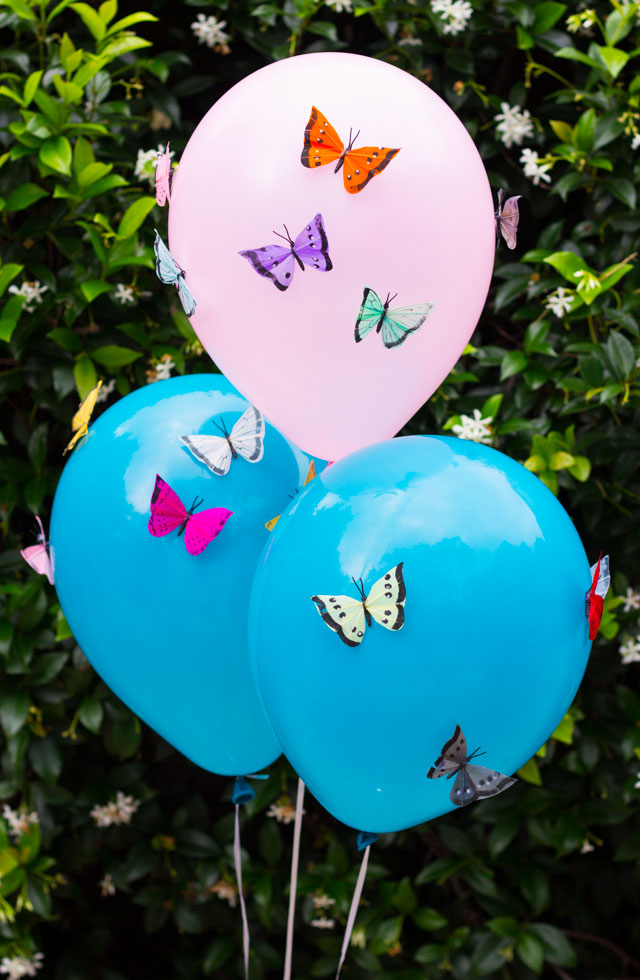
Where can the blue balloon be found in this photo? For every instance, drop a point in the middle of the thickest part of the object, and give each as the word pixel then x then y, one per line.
pixel 167 630
pixel 495 637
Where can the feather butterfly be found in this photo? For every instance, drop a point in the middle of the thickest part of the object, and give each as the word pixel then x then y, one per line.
pixel 394 325
pixel 169 272
pixel 348 617
pixel 38 556
pixel 596 594
pixel 471 782
pixel 80 421
pixel 359 165
pixel 311 472
pixel 168 514
pixel 507 216
pixel 164 177
pixel 278 262
pixel 246 439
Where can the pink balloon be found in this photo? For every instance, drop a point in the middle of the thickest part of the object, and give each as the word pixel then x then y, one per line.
pixel 423 228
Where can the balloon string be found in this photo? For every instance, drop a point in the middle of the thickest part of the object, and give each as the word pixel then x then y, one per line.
pixel 237 857
pixel 355 901
pixel 297 827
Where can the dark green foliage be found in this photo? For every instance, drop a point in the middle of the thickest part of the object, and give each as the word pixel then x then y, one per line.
pixel 504 888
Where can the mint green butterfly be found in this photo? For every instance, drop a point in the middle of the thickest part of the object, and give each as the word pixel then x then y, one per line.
pixel 396 325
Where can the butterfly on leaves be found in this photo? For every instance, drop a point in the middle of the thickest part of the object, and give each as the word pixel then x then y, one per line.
pixel 39 555
pixel 394 325
pixel 246 439
pixel 322 145
pixel 168 514
pixel 80 421
pixel 595 596
pixel 164 177
pixel 471 782
pixel 278 262
pixel 169 272
pixel 311 472
pixel 348 617
pixel 507 216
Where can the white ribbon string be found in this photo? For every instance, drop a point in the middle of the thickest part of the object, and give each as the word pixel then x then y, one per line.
pixel 237 858
pixel 355 901
pixel 297 827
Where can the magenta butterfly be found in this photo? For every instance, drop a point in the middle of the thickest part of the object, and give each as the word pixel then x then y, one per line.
pixel 168 514
pixel 164 177
pixel 278 262
pixel 39 556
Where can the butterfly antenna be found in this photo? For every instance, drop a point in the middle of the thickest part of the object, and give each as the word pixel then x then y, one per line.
pixel 281 236
pixel 221 428
pixel 391 298
pixel 475 754
pixel 196 503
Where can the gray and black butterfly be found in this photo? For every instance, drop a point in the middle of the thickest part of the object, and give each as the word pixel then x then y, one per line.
pixel 471 782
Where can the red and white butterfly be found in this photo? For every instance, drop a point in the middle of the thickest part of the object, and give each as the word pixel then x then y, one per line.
pixel 596 594
pixel 507 216
pixel 168 514
pixel 164 177
pixel 39 556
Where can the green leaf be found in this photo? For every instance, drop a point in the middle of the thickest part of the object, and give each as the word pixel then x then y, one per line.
pixel 564 731
pixel 85 375
pixel 114 357
pixel 512 363
pixel 141 16
pixel 564 132
pixel 56 154
pixel 530 773
pixel 567 264
pixel 14 707
pixel 580 469
pixel 31 85
pixel 37 446
pixel 621 354
pixel 91 288
pixel 46 759
pixel 91 19
pixel 623 189
pixel 24 196
pixel 122 45
pixel 90 714
pixel 613 59
pixel 217 953
pixel 534 885
pixel 585 130
pixel 8 272
pixel 134 216
pixel 572 54
pixel 531 951
pixel 561 460
pixel 108 10
pixel 92 172
pixel 405 897
pixel 429 919
pixel 22 9
pixel 557 947
pixel 546 15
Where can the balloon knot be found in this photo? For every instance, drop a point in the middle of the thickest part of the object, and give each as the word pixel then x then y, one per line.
pixel 365 839
pixel 242 791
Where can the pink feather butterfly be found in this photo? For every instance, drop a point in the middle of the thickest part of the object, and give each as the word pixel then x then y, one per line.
pixel 39 556
pixel 164 177
pixel 507 216
pixel 168 514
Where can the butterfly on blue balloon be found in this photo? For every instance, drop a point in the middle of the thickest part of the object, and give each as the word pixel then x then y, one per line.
pixel 169 272
pixel 394 325
pixel 278 262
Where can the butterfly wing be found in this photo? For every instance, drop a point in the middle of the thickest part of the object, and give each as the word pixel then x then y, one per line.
pixel 202 528
pixel 186 296
pixel 163 178
pixel 213 451
pixel 507 217
pixel 167 510
pixel 272 523
pixel 37 556
pixel 344 615
pixel 488 782
pixel 167 269
pixel 596 594
pixel 603 578
pixel 311 473
pixel 451 757
pixel 81 419
pixel 464 790
pixel 322 144
pixel 401 321
pixel 386 599
pixel 312 245
pixel 247 435
pixel 363 164
pixel 275 262
pixel 370 315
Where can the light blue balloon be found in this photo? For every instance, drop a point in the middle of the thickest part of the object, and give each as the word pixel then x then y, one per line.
pixel 167 630
pixel 495 636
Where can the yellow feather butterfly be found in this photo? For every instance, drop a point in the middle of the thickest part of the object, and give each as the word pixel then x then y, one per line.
pixel 80 421
pixel 311 472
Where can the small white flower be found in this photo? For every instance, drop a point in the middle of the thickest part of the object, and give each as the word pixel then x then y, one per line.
pixel 533 168
pixel 145 168
pixel 514 124
pixel 16 967
pixel 107 886
pixel 410 42
pixel 106 390
pixel 635 142
pixel 226 891
pixel 323 923
pixel 209 31
pixel 475 428
pixel 340 6
pixel 560 301
pixel 359 938
pixel 630 650
pixel 323 902
pixel 587 847
pixel 282 812
pixel 636 785
pixel 115 812
pixel 32 292
pixel 631 600
pixel 162 370
pixel 587 281
pixel 124 294
pixel 19 821
pixel 455 14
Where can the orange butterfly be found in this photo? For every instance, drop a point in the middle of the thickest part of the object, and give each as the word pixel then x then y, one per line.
pixel 322 145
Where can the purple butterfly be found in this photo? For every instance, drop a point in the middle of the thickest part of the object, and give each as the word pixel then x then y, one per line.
pixel 278 262
pixel 507 215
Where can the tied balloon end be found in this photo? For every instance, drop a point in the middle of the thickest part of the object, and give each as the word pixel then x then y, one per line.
pixel 365 839
pixel 242 791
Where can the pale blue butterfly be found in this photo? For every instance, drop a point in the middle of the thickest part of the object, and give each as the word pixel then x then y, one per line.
pixel 169 272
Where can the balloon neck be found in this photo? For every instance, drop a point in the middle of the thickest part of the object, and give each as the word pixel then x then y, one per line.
pixel 242 791
pixel 365 839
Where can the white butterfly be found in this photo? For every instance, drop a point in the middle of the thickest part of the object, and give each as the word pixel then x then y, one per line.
pixel 348 617
pixel 246 439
